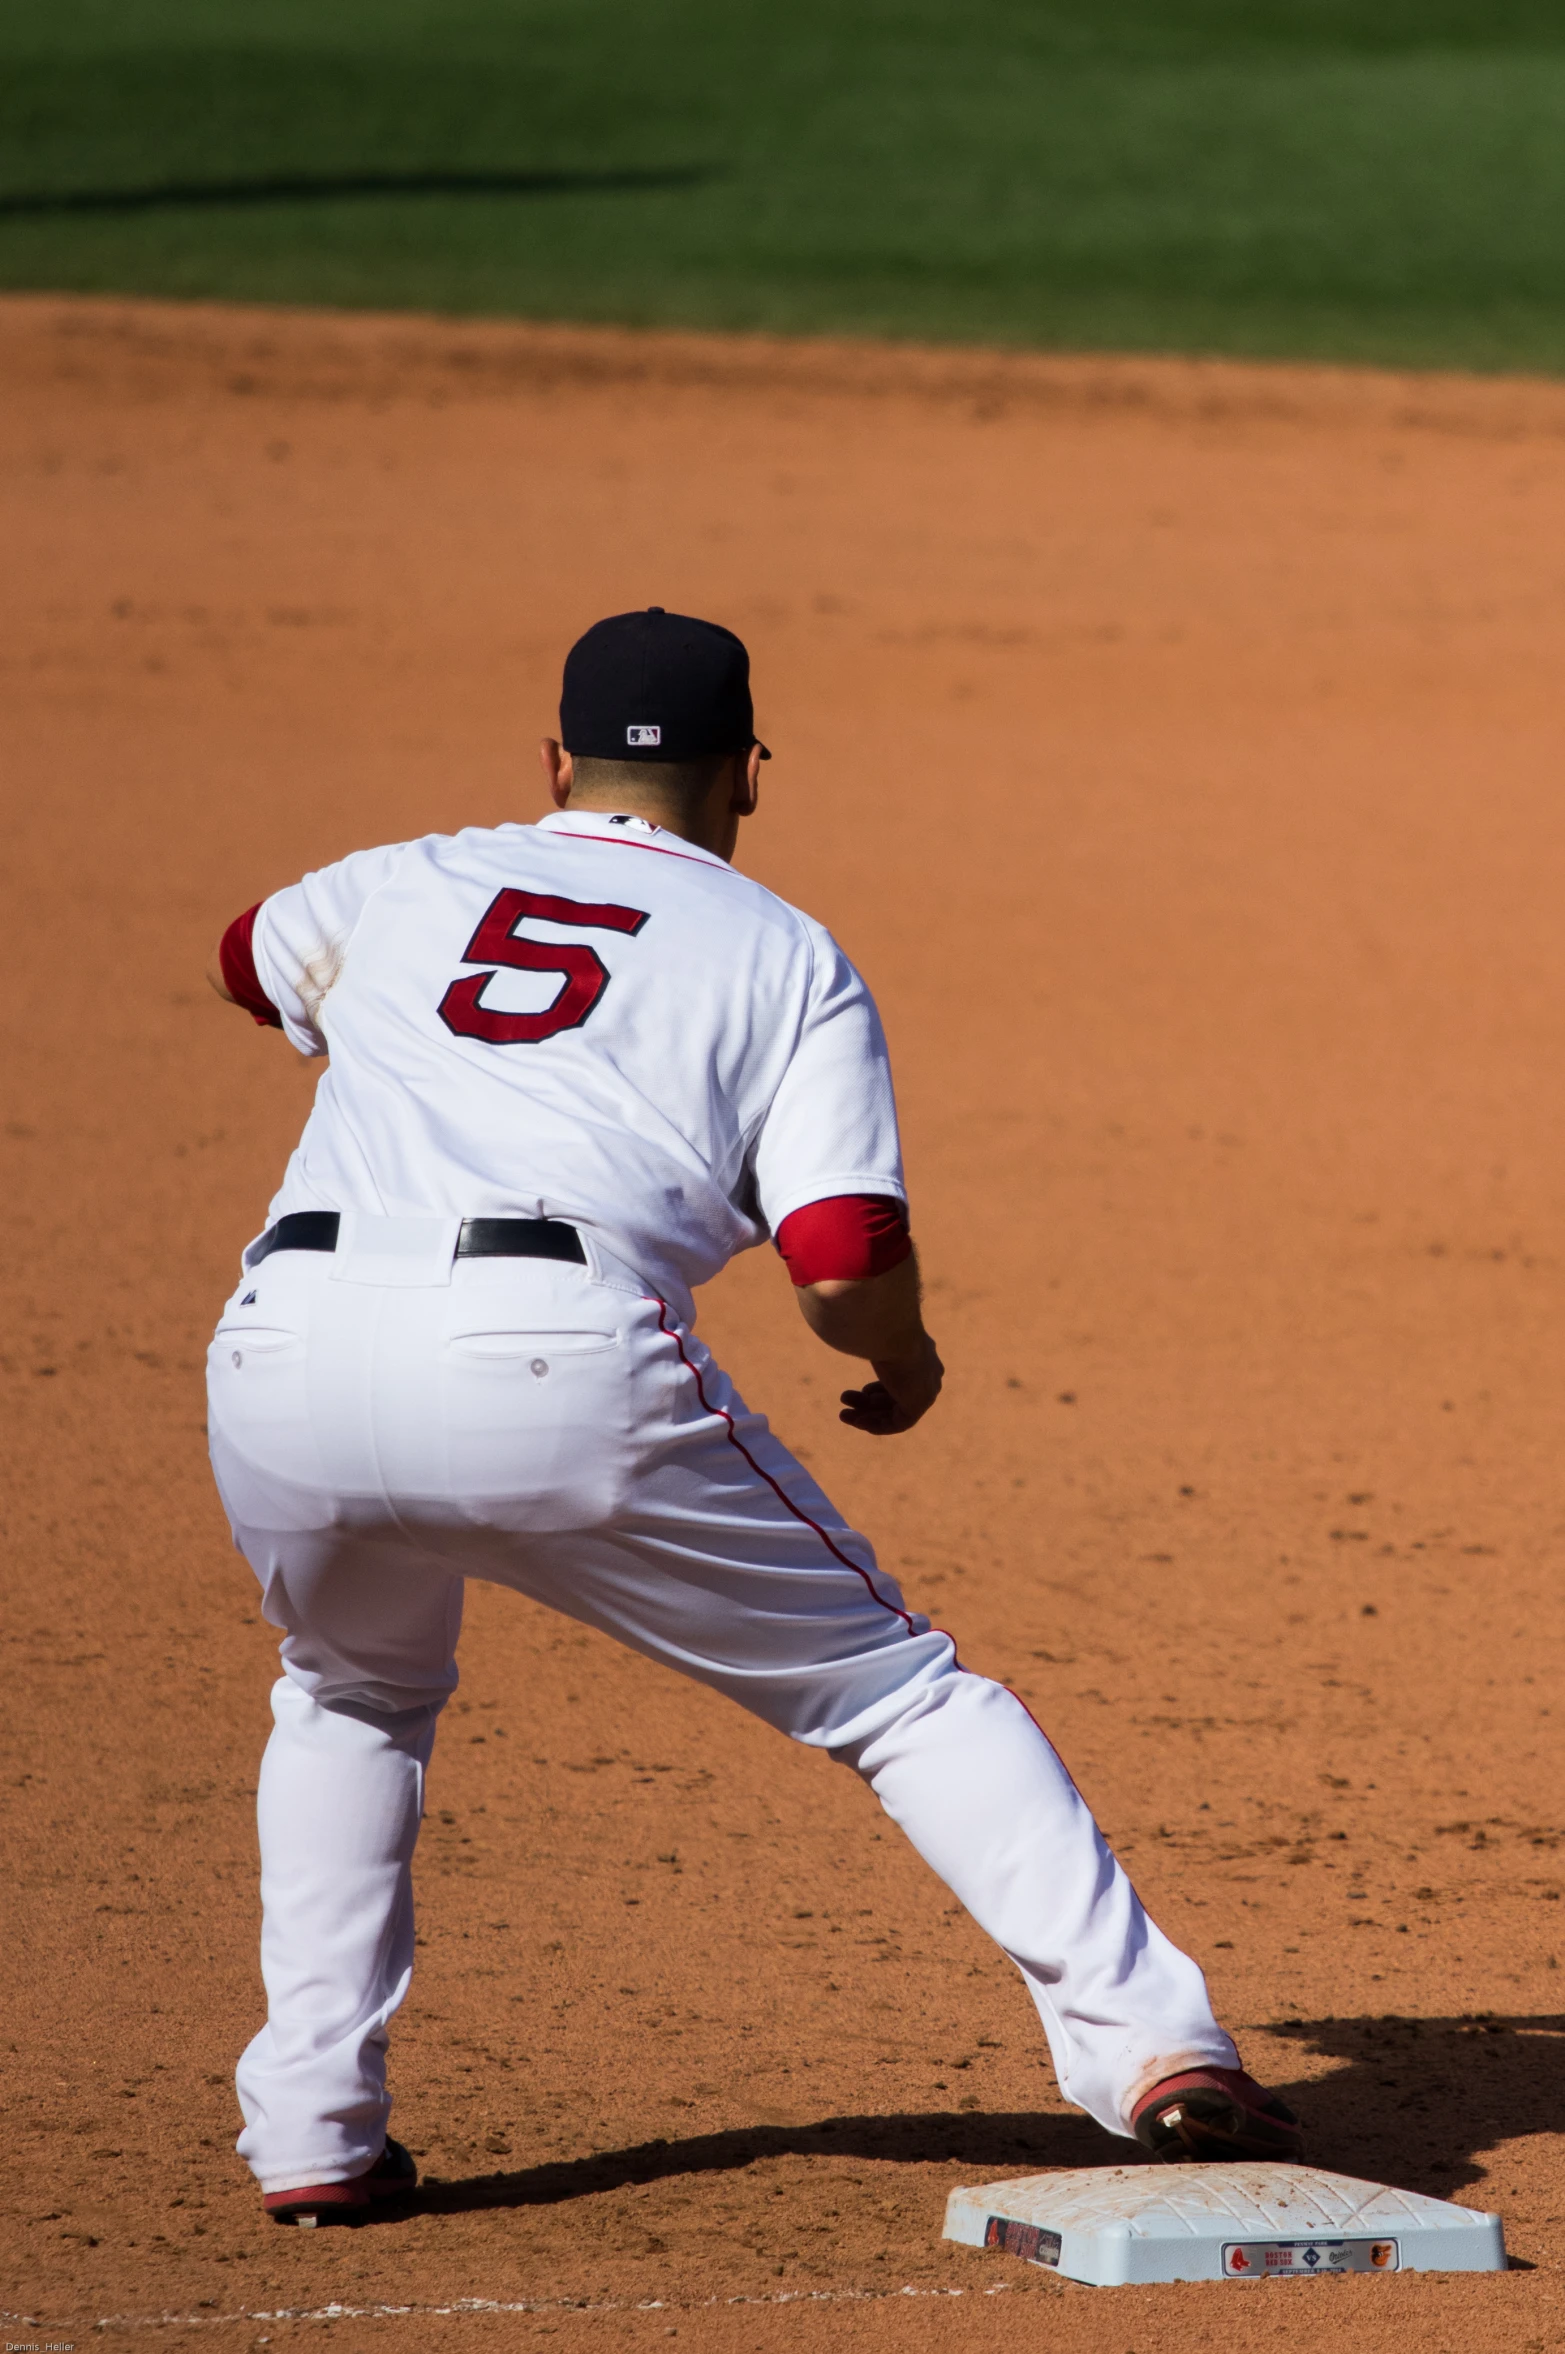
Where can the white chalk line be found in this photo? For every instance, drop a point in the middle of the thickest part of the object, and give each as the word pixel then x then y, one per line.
pixel 460 2305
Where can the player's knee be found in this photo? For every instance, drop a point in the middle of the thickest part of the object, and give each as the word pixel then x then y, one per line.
pixel 929 1677
pixel 402 1724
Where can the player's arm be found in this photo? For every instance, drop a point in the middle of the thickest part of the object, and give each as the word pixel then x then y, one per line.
pixel 828 1177
pixel 856 1275
pixel 879 1317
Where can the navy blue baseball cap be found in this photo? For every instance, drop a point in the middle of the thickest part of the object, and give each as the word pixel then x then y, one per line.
pixel 657 686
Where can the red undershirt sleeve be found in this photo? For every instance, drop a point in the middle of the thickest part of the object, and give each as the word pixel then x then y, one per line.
pixel 844 1239
pixel 236 962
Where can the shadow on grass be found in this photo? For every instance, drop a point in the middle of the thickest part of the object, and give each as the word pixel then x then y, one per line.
pixel 329 187
pixel 1414 2103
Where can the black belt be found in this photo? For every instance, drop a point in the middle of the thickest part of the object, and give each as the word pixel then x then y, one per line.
pixel 479 1238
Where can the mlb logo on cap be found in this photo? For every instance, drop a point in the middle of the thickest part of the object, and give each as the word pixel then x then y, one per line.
pixel 643 735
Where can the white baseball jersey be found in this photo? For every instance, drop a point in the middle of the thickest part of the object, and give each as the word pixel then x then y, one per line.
pixel 586 1019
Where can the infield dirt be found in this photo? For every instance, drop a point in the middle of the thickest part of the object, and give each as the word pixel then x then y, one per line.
pixel 1177 749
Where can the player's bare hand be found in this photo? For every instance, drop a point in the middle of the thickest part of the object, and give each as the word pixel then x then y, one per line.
pixel 900 1395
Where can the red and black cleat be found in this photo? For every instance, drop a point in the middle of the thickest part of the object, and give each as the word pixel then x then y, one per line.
pixel 1209 2113
pixel 393 2175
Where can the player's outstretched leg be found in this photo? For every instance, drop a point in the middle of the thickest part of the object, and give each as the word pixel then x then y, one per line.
pixel 968 1775
pixel 728 1562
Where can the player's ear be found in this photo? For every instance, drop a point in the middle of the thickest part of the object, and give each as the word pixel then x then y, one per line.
pixel 747 782
pixel 558 767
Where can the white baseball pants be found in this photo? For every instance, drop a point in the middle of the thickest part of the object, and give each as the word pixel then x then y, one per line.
pixel 549 1427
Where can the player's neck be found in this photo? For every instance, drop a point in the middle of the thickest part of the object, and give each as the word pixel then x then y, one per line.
pixel 706 828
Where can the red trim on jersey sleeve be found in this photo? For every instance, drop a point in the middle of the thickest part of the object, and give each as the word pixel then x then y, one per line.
pixel 845 1238
pixel 236 962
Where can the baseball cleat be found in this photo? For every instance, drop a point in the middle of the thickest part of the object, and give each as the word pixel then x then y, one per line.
pixel 1208 2113
pixel 393 2175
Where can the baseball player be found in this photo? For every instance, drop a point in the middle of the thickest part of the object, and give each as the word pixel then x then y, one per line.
pixel 574 1067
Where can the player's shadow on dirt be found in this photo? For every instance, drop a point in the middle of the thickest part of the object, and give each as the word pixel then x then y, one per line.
pixel 327 187
pixel 1419 2099
pixel 992 2144
pixel 1415 2102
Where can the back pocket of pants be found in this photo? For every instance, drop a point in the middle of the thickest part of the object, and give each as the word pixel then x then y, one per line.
pixel 537 1427
pixel 263 1443
pixel 260 1342
pixel 501 1347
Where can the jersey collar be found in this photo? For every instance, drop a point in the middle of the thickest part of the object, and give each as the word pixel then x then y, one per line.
pixel 596 825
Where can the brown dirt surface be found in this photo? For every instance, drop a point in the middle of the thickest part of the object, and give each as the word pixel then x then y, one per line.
pixel 1177 747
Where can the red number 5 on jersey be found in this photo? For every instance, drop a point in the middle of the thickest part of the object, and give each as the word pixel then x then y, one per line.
pixel 585 975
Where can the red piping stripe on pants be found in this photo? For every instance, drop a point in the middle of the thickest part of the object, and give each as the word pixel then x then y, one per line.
pixel 778 1491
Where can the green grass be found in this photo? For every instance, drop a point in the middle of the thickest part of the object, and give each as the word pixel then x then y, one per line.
pixel 1360 179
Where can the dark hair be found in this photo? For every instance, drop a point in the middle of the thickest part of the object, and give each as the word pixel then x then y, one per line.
pixel 682 780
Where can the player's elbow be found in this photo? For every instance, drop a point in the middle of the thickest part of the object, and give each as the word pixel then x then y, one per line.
pixel 823 1296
